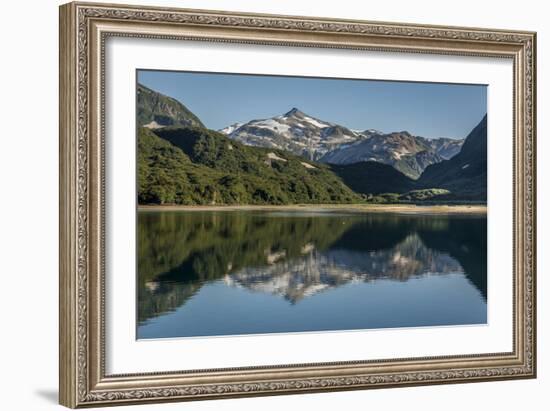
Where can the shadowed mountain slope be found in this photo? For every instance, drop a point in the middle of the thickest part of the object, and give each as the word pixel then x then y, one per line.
pixel 465 175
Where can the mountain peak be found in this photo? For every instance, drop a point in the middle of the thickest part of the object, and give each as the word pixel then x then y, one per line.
pixel 294 113
pixel 158 110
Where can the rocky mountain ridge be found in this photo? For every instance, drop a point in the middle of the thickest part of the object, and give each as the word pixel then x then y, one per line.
pixel 324 141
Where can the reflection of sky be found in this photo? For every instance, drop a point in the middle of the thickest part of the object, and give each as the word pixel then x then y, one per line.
pixel 423 301
pixel 426 109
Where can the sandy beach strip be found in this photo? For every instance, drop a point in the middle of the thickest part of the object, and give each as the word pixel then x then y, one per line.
pixel 366 208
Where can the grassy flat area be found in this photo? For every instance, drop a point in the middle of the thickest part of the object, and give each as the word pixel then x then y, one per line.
pixel 367 208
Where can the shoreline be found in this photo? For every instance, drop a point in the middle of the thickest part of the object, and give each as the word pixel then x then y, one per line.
pixel 366 208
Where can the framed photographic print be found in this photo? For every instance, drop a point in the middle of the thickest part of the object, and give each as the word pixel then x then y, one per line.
pixel 258 204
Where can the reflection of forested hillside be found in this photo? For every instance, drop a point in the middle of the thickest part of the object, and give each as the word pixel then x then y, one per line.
pixel 465 240
pixel 177 249
pixel 296 255
pixel 214 241
pixel 157 297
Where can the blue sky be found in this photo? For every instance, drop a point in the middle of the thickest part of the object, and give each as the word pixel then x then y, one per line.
pixel 426 109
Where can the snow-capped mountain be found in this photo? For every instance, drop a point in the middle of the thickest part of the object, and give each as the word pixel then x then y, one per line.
pixel 315 139
pixel 445 147
pixel 296 132
pixel 407 153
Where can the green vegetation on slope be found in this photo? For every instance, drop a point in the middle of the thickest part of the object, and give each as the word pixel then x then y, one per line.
pixel 198 166
pixel 425 194
pixel 164 110
pixel 431 195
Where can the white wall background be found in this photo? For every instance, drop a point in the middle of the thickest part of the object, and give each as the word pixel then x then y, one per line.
pixel 29 189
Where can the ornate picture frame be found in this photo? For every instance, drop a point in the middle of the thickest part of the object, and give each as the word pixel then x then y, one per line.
pixel 84 29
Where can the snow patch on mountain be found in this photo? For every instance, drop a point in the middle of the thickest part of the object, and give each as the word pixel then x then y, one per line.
pixel 273 156
pixel 230 129
pixel 314 122
pixel 153 125
pixel 307 165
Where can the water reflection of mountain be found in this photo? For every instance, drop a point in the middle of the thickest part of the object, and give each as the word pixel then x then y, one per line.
pixel 318 271
pixel 296 256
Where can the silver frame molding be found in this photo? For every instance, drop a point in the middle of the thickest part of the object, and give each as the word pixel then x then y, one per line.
pixel 84 27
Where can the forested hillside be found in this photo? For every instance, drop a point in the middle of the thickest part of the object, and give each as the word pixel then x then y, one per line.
pixel 198 166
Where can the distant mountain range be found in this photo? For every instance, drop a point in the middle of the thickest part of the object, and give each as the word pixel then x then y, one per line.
pixel 406 153
pixel 297 158
pixel 315 139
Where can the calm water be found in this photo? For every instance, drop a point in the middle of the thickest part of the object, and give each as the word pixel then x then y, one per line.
pixel 246 272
